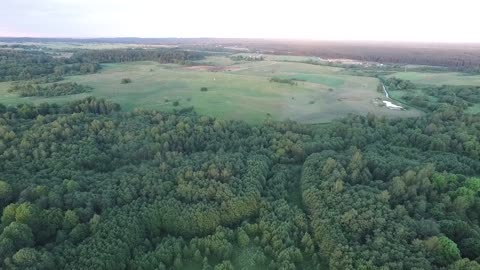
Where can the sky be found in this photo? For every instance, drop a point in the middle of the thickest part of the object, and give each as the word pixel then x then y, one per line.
pixel 375 20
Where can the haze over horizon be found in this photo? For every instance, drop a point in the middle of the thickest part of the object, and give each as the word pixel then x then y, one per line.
pixel 370 20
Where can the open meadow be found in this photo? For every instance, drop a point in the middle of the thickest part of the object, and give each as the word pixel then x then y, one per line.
pixel 239 90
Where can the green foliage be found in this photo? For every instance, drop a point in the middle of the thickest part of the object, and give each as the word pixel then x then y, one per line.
pixel 70 220
pixel 35 64
pixel 15 236
pixel 435 98
pixel 25 257
pixel 6 193
pixel 247 57
pixel 27 213
pixel 465 264
pixel 243 239
pixel 444 250
pixel 89 186
pixel 126 81
pixel 50 90
pixel 225 265
pixel 286 81
pixel 393 83
pixel 161 55
pixel 8 215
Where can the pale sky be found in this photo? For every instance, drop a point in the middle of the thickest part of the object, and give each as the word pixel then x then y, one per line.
pixel 379 20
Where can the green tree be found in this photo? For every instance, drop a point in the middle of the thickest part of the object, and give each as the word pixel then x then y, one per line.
pixel 242 238
pixel 444 250
pixel 25 257
pixel 27 213
pixel 8 215
pixel 224 265
pixel 16 235
pixel 6 193
pixel 70 220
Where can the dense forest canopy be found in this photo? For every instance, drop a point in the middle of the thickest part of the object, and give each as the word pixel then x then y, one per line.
pixel 84 185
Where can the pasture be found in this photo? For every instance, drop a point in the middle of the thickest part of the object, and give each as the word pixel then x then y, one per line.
pixel 236 90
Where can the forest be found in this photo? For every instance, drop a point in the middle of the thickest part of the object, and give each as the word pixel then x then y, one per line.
pixel 85 185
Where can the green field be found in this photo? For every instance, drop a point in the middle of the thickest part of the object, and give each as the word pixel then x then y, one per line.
pixel 236 90
pixel 440 78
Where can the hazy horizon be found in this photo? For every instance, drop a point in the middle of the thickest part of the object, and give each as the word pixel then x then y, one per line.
pixel 344 20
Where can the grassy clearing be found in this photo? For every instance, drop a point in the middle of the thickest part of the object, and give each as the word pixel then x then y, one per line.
pixel 240 91
pixel 440 78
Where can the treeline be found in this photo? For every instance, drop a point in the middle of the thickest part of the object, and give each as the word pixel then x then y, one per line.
pixel 26 65
pixel 20 46
pixel 86 186
pixel 130 55
pixel 247 57
pixel 281 80
pixel 50 90
pixel 32 64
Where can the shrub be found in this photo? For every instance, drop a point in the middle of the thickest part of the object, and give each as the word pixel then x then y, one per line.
pixel 126 80
pixel 280 80
pixel 176 103
pixel 204 89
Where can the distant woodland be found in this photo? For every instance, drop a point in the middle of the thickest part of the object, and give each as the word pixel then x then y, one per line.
pixel 461 57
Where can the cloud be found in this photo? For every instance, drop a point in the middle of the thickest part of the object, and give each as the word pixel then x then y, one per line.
pixel 426 20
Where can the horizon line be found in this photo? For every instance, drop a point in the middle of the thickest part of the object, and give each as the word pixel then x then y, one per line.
pixel 247 38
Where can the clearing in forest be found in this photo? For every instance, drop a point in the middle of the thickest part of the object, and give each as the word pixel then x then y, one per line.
pixel 240 90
